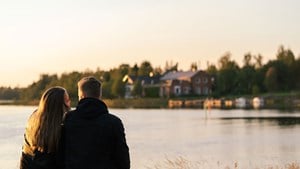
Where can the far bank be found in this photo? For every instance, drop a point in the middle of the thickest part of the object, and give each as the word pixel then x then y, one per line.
pixel 268 101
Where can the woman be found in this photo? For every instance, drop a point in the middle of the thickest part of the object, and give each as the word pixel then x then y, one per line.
pixel 42 148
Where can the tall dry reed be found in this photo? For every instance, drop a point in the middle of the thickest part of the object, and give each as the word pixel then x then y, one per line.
pixel 182 163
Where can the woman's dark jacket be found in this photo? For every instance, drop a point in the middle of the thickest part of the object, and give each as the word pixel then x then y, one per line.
pixel 94 139
pixel 31 158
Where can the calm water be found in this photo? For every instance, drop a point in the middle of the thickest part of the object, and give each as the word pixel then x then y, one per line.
pixel 215 139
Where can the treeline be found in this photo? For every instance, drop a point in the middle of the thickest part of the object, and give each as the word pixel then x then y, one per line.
pixel 278 75
pixel 112 83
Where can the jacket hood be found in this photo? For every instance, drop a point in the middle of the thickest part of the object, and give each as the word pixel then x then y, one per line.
pixel 90 108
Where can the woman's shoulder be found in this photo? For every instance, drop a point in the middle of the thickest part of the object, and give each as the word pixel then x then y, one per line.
pixel 32 118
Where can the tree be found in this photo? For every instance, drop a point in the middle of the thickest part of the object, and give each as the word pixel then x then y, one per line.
pixel 7 93
pixel 106 76
pixel 246 76
pixel 258 81
pixel 212 69
pixel 151 92
pixel 124 69
pixel 118 87
pixel 69 81
pixel 106 89
pixel 282 74
pixel 135 70
pixel 174 68
pixel 247 59
pixel 295 69
pixel 157 71
pixel 246 80
pixel 213 72
pixel 224 61
pixel 171 67
pixel 227 75
pixel 145 69
pixel 258 59
pixel 255 89
pixel 35 90
pixel 194 66
pixel 286 56
pixel 137 88
pixel 271 82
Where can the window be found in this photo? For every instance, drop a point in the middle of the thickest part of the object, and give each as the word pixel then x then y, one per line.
pixel 198 90
pixel 186 90
pixel 205 90
pixel 177 90
pixel 198 80
pixel 127 88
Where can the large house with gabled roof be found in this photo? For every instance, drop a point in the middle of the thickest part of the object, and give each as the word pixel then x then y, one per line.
pixel 146 82
pixel 180 83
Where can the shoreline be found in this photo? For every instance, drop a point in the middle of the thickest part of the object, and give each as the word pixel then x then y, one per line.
pixel 283 103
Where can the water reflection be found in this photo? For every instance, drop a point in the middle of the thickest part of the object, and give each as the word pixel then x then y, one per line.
pixel 280 121
pixel 252 138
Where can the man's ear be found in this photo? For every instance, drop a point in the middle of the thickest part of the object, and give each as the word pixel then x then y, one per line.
pixel 82 95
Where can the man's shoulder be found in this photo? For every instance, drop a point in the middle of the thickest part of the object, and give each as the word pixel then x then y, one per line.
pixel 112 117
pixel 107 115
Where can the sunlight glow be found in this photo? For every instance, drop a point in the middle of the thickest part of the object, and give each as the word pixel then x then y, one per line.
pixel 61 36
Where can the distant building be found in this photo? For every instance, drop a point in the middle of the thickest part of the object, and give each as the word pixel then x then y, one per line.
pixel 180 83
pixel 146 82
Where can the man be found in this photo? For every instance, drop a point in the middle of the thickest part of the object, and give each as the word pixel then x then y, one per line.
pixel 94 139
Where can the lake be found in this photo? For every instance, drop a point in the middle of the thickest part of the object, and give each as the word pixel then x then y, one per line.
pixel 210 139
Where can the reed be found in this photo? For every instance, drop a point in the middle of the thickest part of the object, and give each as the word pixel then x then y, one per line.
pixel 182 163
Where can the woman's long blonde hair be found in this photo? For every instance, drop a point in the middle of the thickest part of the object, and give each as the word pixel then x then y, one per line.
pixel 46 125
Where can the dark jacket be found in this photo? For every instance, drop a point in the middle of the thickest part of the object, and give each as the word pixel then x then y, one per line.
pixel 31 158
pixel 94 139
pixel 40 161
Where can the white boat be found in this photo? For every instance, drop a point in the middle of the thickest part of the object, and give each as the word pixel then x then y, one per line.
pixel 257 102
pixel 240 102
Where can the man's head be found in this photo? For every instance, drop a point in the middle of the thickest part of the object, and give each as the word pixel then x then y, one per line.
pixel 89 87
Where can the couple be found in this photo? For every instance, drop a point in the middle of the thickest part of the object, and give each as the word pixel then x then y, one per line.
pixel 85 138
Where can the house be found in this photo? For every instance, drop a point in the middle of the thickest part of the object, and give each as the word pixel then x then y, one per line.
pixel 145 82
pixel 179 83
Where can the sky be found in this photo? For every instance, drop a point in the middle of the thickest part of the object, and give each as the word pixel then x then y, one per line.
pixel 60 36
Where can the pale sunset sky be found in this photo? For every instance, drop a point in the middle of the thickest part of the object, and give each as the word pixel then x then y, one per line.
pixel 56 36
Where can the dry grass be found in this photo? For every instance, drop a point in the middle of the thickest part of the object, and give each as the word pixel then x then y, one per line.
pixel 178 163
pixel 182 163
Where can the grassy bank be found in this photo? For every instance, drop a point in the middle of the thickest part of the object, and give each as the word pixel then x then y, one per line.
pixel 137 103
pixel 182 163
pixel 289 100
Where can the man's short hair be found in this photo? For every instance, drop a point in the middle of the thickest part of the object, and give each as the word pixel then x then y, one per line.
pixel 90 86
